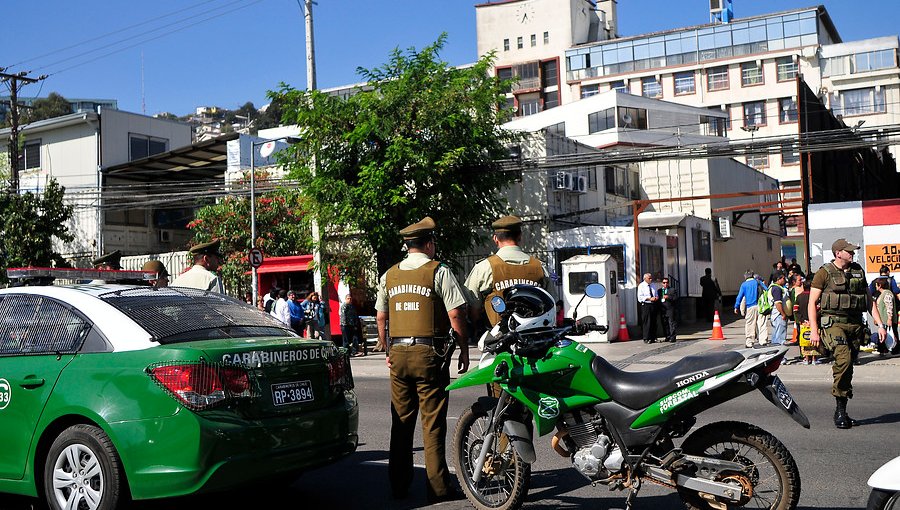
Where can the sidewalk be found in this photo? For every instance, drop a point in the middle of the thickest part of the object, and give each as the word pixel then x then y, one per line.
pixel 693 339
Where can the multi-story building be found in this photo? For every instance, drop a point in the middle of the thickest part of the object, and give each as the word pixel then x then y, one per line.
pixel 78 105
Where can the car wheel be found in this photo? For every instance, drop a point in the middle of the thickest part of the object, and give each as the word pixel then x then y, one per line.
pixel 82 471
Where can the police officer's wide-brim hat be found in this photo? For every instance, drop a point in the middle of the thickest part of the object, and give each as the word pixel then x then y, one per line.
pixel 110 259
pixel 423 228
pixel 507 224
pixel 155 266
pixel 210 248
pixel 843 244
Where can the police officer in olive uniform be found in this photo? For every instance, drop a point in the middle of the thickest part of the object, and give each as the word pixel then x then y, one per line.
pixel 509 266
pixel 845 297
pixel 419 300
pixel 202 275
pixel 111 260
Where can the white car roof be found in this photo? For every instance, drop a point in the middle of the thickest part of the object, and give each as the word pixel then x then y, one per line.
pixel 122 332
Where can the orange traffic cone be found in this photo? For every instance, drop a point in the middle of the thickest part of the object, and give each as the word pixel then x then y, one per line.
pixel 623 329
pixel 717 333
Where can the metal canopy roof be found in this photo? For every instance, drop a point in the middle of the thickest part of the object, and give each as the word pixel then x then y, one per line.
pixel 198 161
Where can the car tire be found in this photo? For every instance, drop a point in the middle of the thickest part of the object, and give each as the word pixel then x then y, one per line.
pixel 83 471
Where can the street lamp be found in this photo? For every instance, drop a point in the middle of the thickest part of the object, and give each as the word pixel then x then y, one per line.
pixel 268 147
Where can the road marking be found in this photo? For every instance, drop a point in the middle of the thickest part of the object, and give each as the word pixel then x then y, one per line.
pixel 420 466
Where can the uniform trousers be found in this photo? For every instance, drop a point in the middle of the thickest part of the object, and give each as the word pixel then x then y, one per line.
pixel 418 382
pixel 842 339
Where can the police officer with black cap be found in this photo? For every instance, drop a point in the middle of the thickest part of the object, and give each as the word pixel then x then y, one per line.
pixel 111 260
pixel 841 285
pixel 207 261
pixel 509 266
pixel 419 301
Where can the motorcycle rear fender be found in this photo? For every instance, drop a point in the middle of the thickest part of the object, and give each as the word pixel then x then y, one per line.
pixel 887 477
pixel 768 391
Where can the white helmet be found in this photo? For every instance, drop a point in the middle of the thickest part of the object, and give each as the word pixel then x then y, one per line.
pixel 528 308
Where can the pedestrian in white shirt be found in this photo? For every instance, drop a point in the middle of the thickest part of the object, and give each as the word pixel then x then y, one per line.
pixel 281 311
pixel 647 297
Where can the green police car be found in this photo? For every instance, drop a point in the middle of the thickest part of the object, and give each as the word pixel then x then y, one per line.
pixel 118 392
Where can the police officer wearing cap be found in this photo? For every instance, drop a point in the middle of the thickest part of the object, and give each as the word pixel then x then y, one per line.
pixel 162 275
pixel 419 301
pixel 509 266
pixel 110 260
pixel 845 297
pixel 201 275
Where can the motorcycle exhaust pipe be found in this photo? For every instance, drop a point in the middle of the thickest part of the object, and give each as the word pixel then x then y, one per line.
pixel 558 448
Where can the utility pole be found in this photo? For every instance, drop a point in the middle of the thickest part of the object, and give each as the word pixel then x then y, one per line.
pixel 14 81
pixel 310 47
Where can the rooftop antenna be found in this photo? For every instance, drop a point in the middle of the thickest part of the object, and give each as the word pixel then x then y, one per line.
pixel 720 11
pixel 143 102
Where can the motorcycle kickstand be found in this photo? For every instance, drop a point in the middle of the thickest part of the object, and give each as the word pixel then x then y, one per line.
pixel 635 487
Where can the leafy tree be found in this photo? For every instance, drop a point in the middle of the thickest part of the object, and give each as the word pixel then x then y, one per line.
pixel 29 224
pixel 48 107
pixel 421 139
pixel 282 228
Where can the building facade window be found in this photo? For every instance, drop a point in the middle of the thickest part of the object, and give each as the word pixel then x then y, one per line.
pixel 787 110
pixel 702 246
pixel 790 157
pixel 506 45
pixel 551 99
pixel 529 107
pixel 546 37
pixel 717 78
pixel 609 176
pixel 549 74
pixel 755 113
pixel 758 161
pixel 632 118
pixel 872 60
pixel 786 68
pixel 30 156
pixel 650 87
pixel 533 40
pixel 835 66
pixel 602 120
pixel 751 74
pixel 589 90
pixel 520 43
pixel 619 86
pixel 684 83
pixel 858 101
pixel 142 146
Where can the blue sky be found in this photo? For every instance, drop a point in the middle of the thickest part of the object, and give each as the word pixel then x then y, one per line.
pixel 227 52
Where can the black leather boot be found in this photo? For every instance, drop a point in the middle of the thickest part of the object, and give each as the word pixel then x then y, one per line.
pixel 841 420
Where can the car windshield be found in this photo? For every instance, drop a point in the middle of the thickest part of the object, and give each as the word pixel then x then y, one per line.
pixel 178 314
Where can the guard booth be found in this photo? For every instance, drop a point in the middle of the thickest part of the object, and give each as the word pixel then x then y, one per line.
pixel 293 273
pixel 580 271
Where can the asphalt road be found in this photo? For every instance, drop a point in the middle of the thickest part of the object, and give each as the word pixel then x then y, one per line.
pixel 834 464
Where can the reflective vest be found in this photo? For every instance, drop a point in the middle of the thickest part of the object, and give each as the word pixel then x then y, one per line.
pixel 414 308
pixel 505 276
pixel 845 292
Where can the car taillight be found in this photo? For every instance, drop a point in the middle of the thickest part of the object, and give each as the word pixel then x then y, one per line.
pixel 201 385
pixel 340 377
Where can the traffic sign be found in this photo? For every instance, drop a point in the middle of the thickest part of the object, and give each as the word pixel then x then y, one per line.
pixel 256 257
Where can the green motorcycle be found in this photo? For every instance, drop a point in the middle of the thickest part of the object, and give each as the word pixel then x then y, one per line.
pixel 618 428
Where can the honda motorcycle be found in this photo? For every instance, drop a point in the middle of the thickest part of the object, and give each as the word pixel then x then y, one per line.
pixel 885 484
pixel 618 428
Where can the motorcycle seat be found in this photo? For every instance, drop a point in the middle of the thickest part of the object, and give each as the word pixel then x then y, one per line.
pixel 637 390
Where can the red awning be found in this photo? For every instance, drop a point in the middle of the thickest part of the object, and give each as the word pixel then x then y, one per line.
pixel 285 264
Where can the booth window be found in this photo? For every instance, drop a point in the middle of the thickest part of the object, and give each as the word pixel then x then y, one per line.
pixel 702 246
pixel 579 281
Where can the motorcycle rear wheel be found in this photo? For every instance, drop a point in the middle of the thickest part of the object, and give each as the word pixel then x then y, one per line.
pixel 774 482
pixel 504 480
pixel 883 500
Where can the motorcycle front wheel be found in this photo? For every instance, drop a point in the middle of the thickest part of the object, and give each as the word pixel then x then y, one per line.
pixel 504 477
pixel 883 500
pixel 771 479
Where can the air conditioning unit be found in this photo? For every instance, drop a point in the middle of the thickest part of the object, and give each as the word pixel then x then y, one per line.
pixel 563 181
pixel 579 184
pixel 715 5
pixel 165 236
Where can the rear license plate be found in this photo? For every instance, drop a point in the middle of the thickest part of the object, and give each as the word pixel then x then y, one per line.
pixel 781 391
pixel 292 393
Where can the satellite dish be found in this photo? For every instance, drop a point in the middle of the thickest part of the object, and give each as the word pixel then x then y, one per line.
pixel 267 149
pixel 627 119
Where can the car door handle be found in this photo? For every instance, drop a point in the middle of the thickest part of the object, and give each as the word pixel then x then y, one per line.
pixel 31 382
